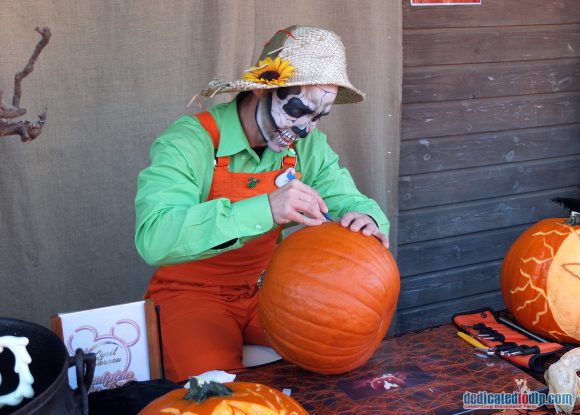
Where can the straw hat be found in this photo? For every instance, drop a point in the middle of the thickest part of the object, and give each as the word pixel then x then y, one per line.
pixel 297 55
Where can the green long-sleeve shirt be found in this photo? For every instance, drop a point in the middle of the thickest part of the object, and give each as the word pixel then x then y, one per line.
pixel 174 222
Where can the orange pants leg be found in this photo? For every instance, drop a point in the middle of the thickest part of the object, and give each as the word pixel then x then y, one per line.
pixel 243 301
pixel 199 334
pixel 253 332
pixel 204 327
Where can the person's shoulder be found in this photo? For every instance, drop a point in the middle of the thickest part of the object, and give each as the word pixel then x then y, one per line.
pixel 188 124
pixel 184 136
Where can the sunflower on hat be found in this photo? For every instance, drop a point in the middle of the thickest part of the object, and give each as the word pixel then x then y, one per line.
pixel 270 72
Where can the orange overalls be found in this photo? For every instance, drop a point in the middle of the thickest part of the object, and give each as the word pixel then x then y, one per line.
pixel 208 308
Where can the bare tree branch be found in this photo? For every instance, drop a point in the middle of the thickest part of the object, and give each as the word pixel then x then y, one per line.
pixel 27 130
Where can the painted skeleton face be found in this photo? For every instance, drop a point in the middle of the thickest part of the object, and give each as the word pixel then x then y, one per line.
pixel 286 114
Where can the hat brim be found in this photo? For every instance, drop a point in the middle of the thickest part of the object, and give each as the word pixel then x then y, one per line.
pixel 347 94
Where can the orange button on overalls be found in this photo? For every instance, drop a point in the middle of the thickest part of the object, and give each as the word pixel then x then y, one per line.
pixel 208 307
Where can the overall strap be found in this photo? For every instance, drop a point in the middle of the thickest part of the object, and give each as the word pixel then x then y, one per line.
pixel 290 161
pixel 208 123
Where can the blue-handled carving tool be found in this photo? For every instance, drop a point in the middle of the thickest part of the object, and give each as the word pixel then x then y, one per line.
pixel 291 176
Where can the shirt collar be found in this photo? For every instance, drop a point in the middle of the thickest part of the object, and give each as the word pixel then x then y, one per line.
pixel 233 139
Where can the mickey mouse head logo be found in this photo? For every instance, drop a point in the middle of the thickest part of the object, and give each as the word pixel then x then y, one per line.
pixel 112 350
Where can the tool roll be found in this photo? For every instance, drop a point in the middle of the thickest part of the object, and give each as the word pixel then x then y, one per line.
pixel 512 345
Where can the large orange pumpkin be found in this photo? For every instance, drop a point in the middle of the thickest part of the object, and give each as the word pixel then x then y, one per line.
pixel 540 279
pixel 328 297
pixel 246 399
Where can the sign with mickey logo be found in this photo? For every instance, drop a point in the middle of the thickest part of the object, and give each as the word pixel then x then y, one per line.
pixel 117 337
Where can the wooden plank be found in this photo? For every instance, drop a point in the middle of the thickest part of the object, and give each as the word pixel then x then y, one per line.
pixel 441 313
pixel 459 219
pixel 153 346
pixel 486 80
pixel 56 325
pixel 448 285
pixel 448 153
pixel 440 254
pixel 423 47
pixel 434 189
pixel 438 119
pixel 492 13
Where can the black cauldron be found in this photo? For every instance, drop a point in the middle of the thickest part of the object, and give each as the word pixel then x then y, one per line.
pixel 49 367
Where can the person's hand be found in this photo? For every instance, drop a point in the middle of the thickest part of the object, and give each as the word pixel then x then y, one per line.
pixel 297 202
pixel 359 222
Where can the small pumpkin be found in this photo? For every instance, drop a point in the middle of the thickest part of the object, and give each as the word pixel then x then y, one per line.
pixel 540 279
pixel 328 297
pixel 233 398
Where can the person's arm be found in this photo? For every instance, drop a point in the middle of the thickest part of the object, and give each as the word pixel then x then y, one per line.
pixel 334 183
pixel 174 223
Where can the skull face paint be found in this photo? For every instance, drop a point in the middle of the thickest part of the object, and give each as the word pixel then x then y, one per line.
pixel 286 114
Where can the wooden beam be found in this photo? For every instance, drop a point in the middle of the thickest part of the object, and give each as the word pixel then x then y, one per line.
pixel 442 254
pixel 439 119
pixel 481 215
pixel 439 313
pixel 492 13
pixel 487 80
pixel 494 44
pixel 449 284
pixel 482 149
pixel 435 189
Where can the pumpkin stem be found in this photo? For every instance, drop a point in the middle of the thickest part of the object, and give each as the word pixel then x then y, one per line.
pixel 574 219
pixel 573 205
pixel 200 390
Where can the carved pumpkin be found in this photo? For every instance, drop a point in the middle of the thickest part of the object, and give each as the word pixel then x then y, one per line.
pixel 540 279
pixel 328 297
pixel 234 398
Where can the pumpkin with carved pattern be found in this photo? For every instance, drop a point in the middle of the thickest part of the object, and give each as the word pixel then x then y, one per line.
pixel 328 297
pixel 540 279
pixel 233 398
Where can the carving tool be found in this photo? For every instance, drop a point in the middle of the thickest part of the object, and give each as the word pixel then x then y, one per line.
pixel 479 346
pixel 514 326
pixel 525 351
pixel 511 350
pixel 498 337
pixel 502 347
pixel 291 176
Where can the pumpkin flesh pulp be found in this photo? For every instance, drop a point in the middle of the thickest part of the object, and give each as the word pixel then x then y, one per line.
pixel 563 285
pixel 246 399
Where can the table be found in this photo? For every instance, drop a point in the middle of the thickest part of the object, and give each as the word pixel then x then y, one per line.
pixel 438 368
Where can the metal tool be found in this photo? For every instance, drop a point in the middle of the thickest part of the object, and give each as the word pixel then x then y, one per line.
pixel 327 216
pixel 526 351
pixel 502 347
pixel 522 330
pixel 511 350
pixel 498 337
pixel 478 326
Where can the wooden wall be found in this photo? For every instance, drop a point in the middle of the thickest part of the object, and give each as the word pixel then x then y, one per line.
pixel 490 132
